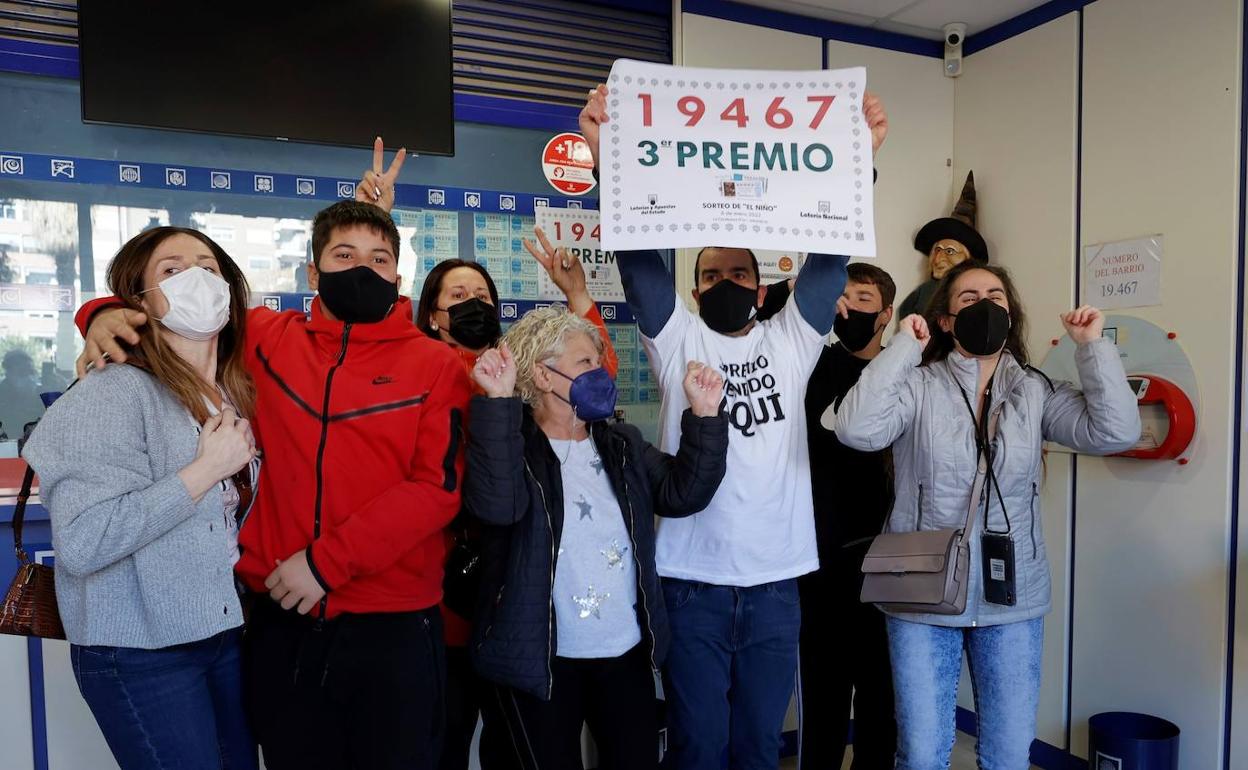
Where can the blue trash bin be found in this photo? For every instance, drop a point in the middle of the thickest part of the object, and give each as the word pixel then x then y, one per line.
pixel 1121 740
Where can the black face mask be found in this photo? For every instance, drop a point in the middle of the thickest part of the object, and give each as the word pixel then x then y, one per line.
pixel 474 323
pixel 727 307
pixel 857 331
pixel 358 295
pixel 981 329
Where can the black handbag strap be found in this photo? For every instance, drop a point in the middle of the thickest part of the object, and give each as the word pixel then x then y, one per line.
pixel 985 433
pixel 19 515
pixel 28 480
pixel 977 486
pixel 982 471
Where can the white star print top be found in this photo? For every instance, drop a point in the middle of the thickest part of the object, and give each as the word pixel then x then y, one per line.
pixel 595 574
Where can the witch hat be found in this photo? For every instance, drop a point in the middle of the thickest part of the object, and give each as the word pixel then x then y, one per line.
pixel 959 226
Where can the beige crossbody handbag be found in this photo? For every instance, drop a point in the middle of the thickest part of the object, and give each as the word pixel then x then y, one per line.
pixel 925 572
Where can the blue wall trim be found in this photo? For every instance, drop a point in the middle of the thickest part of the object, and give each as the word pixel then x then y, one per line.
pixel 179 177
pixel 804 25
pixel 1238 419
pixel 34 512
pixel 38 703
pixel 1020 24
pixel 60 61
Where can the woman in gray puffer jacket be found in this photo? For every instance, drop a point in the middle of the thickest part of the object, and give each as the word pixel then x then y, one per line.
pixel 973 359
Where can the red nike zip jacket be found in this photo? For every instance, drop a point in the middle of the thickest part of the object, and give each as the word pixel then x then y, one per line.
pixel 362 428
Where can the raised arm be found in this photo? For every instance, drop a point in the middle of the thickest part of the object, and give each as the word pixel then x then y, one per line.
pixel 568 274
pixel 1104 417
pixel 106 324
pixel 377 184
pixel 495 488
pixel 822 278
pixel 648 286
pixel 685 484
pixel 817 288
pixel 881 406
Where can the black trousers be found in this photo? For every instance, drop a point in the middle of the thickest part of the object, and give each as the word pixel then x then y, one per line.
pixel 615 697
pixel 462 709
pixel 844 662
pixel 467 697
pixel 358 692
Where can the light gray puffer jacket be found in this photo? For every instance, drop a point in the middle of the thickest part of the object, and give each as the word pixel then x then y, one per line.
pixel 920 412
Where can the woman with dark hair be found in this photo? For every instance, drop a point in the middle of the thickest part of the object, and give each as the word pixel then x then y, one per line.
pixel 147 472
pixel 442 293
pixel 949 390
pixel 459 301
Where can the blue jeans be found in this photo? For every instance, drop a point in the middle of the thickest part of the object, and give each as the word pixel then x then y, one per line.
pixel 178 706
pixel 730 672
pixel 1005 674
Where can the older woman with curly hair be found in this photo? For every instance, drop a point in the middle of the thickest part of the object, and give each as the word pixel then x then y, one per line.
pixel 572 624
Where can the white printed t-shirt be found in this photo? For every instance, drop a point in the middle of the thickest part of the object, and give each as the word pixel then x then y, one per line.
pixel 760 526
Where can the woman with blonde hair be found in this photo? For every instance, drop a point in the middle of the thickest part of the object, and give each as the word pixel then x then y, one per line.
pixel 571 625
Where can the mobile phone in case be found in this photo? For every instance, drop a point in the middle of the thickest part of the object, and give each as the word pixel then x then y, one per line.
pixel 998 556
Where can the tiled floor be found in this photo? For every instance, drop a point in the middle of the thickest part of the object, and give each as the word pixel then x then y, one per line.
pixel 963 756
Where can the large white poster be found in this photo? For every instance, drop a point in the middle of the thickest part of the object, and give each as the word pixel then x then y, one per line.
pixel 578 231
pixel 752 158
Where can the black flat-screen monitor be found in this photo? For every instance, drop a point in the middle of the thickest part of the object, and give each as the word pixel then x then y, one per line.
pixel 332 72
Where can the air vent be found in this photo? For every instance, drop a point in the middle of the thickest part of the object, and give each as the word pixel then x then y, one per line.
pixel 549 51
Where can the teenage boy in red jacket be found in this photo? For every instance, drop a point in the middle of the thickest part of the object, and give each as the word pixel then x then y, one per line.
pixel 360 416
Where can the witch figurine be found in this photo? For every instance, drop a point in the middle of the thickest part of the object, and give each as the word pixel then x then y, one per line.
pixel 946 242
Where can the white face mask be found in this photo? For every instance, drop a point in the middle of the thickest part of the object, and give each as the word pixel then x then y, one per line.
pixel 199 303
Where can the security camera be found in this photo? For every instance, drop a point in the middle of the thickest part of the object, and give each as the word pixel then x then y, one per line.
pixel 955 34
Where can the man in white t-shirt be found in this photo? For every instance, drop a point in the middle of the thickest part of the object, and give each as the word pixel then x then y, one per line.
pixel 729 572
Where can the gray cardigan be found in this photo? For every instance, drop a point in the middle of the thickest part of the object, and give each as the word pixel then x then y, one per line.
pixel 138 563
